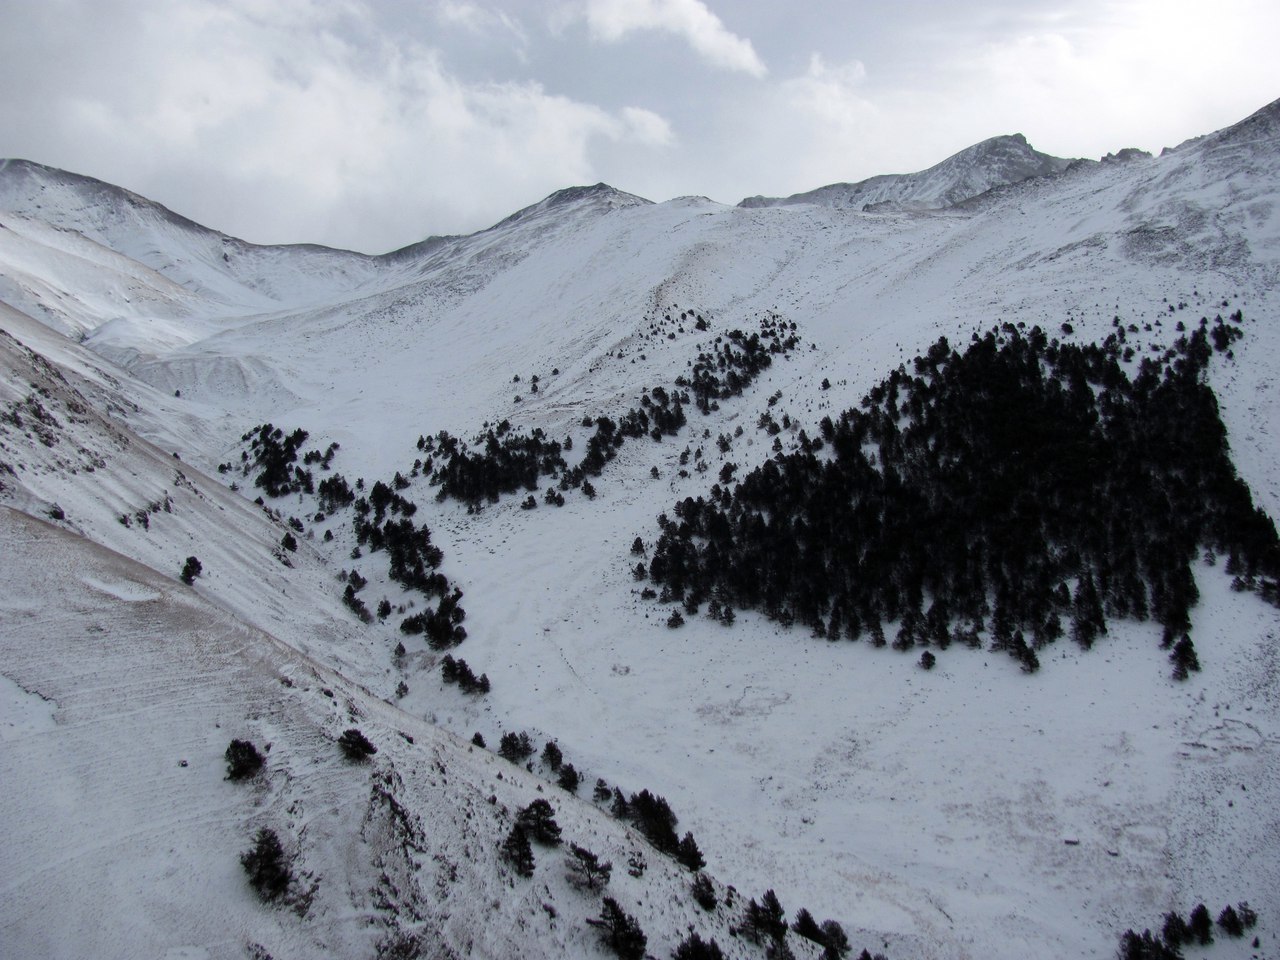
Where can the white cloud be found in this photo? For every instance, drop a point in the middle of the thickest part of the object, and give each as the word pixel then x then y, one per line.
pixel 645 126
pixel 312 126
pixel 830 92
pixel 481 20
pixel 611 20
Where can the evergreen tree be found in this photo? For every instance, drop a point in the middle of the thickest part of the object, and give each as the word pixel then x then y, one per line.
pixel 1175 931
pixel 1200 925
pixel 835 944
pixel 585 869
pixel 552 756
pixel 704 893
pixel 620 931
pixel 1184 658
pixel 538 821
pixel 355 745
pixel 569 778
pixel 265 864
pixel 515 747
pixel 689 855
pixel 243 760
pixel 518 852
pixel 693 947
pixel 805 926
pixel 1230 922
pixel 764 921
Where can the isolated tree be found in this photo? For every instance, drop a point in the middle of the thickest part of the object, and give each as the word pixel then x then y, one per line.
pixel 539 822
pixel 356 746
pixel 518 852
pixel 190 570
pixel 585 870
pixel 928 660
pixel 243 760
pixel 478 739
pixel 265 864
pixel 569 778
pixel 620 931
pixel 552 756
pixel 689 855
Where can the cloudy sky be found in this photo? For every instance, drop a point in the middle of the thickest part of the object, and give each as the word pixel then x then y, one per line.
pixel 370 124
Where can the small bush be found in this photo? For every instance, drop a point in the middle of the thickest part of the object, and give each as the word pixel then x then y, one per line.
pixel 191 570
pixel 243 760
pixel 356 745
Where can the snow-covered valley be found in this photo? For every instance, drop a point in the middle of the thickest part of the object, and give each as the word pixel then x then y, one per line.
pixel 970 810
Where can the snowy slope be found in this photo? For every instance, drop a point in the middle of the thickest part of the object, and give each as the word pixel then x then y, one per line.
pixel 933 809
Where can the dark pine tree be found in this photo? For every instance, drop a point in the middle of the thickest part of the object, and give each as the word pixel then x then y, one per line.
pixel 693 947
pixel 539 822
pixel 356 746
pixel 518 852
pixel 243 760
pixel 1200 925
pixel 265 864
pixel 620 931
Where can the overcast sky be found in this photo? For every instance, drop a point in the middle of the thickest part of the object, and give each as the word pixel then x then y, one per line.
pixel 371 124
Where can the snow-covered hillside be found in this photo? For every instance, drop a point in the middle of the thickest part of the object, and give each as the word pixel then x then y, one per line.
pixel 965 811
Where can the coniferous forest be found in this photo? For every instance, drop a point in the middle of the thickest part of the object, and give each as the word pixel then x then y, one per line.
pixel 1026 489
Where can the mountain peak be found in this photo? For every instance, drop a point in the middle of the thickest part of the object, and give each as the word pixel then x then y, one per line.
pixel 995 162
pixel 599 197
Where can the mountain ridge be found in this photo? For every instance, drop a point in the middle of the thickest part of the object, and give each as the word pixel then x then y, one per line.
pixel 997 161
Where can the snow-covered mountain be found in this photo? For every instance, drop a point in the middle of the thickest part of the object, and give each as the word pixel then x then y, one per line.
pixel 996 162
pixel 965 811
